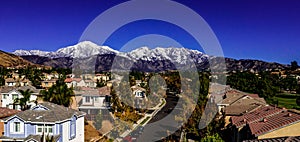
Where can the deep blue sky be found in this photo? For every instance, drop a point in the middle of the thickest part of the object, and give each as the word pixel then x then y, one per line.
pixel 256 29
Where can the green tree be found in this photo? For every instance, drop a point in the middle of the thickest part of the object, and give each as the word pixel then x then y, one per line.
pixel 212 138
pixel 294 65
pixel 59 93
pixel 100 83
pixel 23 102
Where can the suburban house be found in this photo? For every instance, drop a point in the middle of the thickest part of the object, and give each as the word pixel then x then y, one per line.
pixel 236 103
pixel 94 101
pixel 64 124
pixel 265 122
pixel 74 82
pixel 102 77
pixel 10 82
pixel 9 94
pixel 25 82
pixel 139 96
pixel 48 83
pixel 87 76
pixel 5 112
pixel 90 83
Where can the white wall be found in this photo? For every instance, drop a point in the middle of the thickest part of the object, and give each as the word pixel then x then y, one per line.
pixel 9 99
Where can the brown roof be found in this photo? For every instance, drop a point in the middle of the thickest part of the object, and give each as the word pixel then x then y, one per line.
pixel 235 110
pixel 6 112
pixel 7 89
pixel 87 91
pixel 254 116
pixel 135 87
pixel 104 90
pixel 9 80
pixel 25 80
pixel 54 113
pixel 274 122
pixel 253 95
pixel 68 80
pixel 279 139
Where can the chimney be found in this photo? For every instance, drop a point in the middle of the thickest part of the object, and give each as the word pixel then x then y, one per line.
pixel 265 120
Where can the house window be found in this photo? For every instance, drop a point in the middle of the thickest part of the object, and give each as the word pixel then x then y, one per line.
pixel 14 96
pixel 96 99
pixel 17 126
pixel 73 128
pixel 4 96
pixel 40 128
pixel 87 99
pixel 48 129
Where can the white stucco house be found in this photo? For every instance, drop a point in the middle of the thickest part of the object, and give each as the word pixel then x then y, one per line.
pixel 9 94
pixel 94 101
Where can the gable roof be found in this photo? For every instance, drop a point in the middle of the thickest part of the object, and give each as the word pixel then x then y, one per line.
pixel 54 113
pixel 9 80
pixel 7 89
pixel 137 88
pixel 38 138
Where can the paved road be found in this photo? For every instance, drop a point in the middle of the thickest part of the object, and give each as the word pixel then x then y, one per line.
pixel 163 123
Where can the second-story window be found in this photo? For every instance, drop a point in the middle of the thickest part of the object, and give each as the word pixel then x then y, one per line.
pixel 47 129
pixel 87 99
pixel 17 127
pixel 14 96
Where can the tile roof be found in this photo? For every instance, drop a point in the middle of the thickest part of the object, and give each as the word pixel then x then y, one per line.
pixel 6 112
pixel 257 115
pixel 274 122
pixel 104 91
pixel 68 80
pixel 9 80
pixel 279 139
pixel 87 91
pixel 54 113
pixel 234 110
pixel 135 87
pixel 7 89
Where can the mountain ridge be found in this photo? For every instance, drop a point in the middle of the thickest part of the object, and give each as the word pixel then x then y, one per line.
pixel 90 55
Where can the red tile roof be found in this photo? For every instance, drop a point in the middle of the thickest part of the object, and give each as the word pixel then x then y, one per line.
pixel 254 116
pixel 280 120
pixel 6 112
pixel 68 80
pixel 266 119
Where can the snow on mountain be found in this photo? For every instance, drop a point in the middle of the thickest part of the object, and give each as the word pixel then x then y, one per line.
pixel 39 53
pixel 178 55
pixel 87 49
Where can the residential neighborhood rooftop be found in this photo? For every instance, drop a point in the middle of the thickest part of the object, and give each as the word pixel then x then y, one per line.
pixel 53 113
pixel 6 112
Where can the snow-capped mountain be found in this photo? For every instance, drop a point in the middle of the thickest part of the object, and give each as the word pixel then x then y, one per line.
pixel 87 49
pixel 178 55
pixel 40 53
pixel 101 58
pixel 80 50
